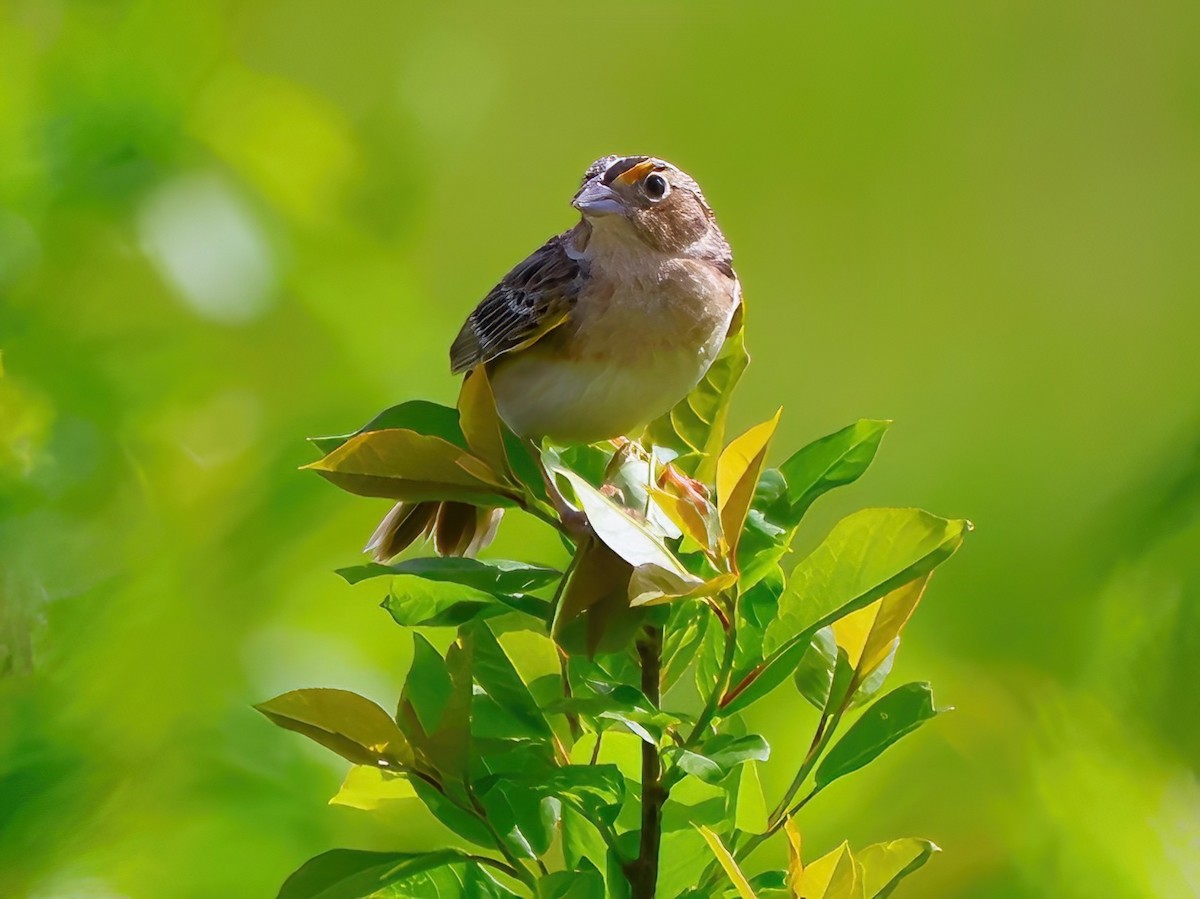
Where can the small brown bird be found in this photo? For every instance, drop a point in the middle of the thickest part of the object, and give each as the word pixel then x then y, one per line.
pixel 601 330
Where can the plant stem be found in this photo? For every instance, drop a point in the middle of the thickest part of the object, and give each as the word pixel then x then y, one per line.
pixel 643 871
pixel 824 733
pixel 758 839
pixel 514 868
pixel 606 832
pixel 723 678
pixel 497 864
pixel 821 738
pixel 523 873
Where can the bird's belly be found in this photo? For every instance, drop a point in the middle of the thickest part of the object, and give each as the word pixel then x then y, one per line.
pixel 583 400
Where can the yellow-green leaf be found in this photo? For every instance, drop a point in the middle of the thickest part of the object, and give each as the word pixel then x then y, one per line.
pixel 832 876
pixel 651 586
pixel 695 427
pixel 725 857
pixel 868 634
pixel 738 470
pixel 480 421
pixel 750 815
pixel 658 573
pixel 404 465
pixel 685 514
pixel 616 748
pixel 367 787
pixel 795 856
pixel 866 556
pixel 883 865
pixel 421 416
pixel 351 725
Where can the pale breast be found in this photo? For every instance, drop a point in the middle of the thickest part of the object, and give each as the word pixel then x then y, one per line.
pixel 638 340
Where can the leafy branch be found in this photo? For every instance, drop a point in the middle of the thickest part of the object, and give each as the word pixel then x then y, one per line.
pixel 556 737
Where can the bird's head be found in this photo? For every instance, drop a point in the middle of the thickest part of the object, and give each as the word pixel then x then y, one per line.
pixel 646 198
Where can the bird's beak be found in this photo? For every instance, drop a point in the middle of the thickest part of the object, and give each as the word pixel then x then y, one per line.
pixel 596 198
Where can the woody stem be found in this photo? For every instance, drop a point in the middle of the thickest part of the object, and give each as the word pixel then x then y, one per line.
pixel 643 871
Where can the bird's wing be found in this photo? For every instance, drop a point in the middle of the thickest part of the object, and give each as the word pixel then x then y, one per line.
pixel 534 298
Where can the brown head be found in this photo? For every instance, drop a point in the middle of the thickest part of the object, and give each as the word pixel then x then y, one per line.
pixel 654 201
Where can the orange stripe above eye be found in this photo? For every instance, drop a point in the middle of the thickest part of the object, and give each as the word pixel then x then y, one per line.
pixel 634 174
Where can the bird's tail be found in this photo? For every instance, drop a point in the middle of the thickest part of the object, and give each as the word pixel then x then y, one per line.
pixel 457 529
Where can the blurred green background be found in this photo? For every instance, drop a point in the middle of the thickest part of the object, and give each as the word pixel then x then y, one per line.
pixel 225 226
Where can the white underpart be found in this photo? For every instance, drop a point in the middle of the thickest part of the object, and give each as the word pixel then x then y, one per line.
pixel 585 401
pixel 654 336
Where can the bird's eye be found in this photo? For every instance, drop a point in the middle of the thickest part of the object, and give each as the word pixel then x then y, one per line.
pixel 655 186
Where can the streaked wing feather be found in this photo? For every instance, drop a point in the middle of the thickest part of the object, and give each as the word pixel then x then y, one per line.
pixel 532 299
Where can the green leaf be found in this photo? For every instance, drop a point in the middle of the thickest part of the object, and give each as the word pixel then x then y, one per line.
pixel 884 865
pixel 697 765
pixel 632 540
pixel 763 678
pixel 709 655
pixel 462 822
pixel 589 461
pixel 725 857
pixel 468 880
pixel 584 884
pixel 403 465
pixel 716 757
pixel 769 883
pixel 525 819
pixel 839 686
pixel 887 720
pixel 682 859
pixel 598 789
pixel 757 608
pixel 480 422
pixel 875 680
pixel 780 502
pixel 729 751
pixel 763 544
pixel 682 637
pixel 619 703
pixel 617 748
pixel 832 876
pixel 491 576
pixel 435 708
pixel 428 688
pixel 814 672
pixel 695 427
pixel 750 810
pixel 420 416
pixel 866 555
pixel 416 602
pixel 525 466
pixel 367 787
pixel 352 726
pixel 499 680
pixel 692 802
pixel 835 460
pixel 354 873
pixel 581 840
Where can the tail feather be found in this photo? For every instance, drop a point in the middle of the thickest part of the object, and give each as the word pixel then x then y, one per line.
pixel 457 529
